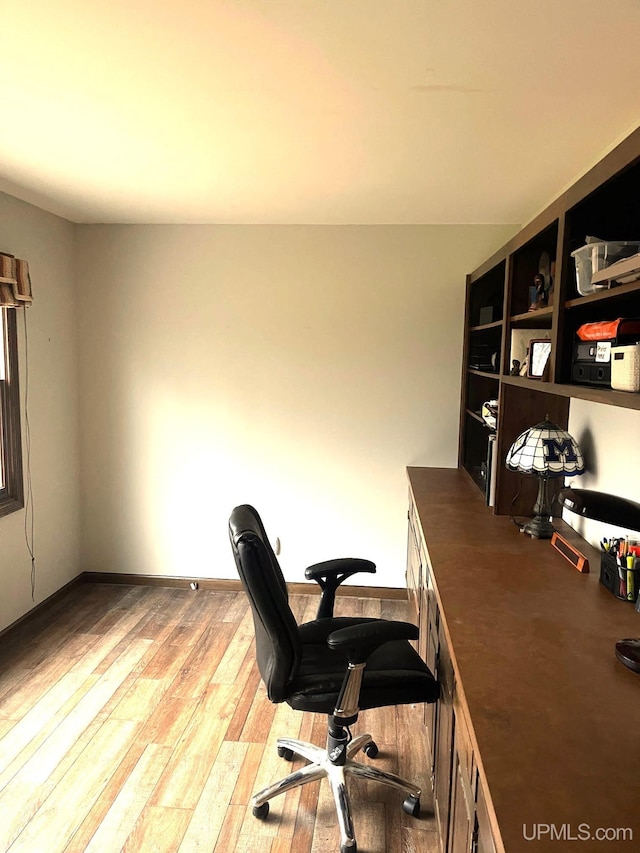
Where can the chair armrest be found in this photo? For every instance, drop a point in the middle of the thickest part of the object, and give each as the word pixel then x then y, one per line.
pixel 330 574
pixel 359 641
pixel 345 566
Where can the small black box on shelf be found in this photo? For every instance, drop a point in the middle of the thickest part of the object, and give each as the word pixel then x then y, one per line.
pixel 484 357
pixel 591 363
pixel 486 315
pixel 591 374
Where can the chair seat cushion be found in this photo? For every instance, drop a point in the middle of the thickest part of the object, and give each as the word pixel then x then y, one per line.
pixel 395 674
pixel 318 630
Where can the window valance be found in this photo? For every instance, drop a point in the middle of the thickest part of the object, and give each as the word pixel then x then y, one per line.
pixel 15 283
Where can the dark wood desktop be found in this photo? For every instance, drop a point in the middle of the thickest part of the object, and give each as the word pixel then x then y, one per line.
pixel 536 743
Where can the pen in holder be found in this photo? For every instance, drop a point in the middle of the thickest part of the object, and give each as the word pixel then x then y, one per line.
pixel 620 575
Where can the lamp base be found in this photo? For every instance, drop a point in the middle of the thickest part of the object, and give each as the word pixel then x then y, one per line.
pixel 538 528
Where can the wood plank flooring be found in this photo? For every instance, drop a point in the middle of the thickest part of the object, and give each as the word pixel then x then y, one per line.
pixel 134 719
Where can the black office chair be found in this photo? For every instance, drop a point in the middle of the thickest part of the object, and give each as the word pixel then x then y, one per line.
pixel 333 665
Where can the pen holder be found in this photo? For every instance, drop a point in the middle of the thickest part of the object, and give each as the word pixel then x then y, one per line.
pixel 626 587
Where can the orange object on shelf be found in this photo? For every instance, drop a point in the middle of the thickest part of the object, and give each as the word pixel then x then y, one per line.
pixel 606 330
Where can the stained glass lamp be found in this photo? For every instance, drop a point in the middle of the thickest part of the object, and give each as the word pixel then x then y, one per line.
pixel 547 451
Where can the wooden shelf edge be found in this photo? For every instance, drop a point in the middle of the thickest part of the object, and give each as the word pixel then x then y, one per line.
pixel 484 373
pixel 491 264
pixel 532 384
pixel 592 393
pixel 607 396
pixel 603 295
pixel 480 420
pixel 496 324
pixel 475 416
pixel 532 316
pixel 476 482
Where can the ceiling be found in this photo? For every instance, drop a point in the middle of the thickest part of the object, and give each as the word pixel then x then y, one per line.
pixel 311 111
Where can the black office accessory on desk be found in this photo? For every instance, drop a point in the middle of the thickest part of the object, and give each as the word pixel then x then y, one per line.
pixel 601 506
pixel 628 653
pixel 620 574
pixel 577 559
pixel 619 567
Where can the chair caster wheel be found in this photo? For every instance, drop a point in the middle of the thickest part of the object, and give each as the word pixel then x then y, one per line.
pixel 262 811
pixel 411 806
pixel 370 749
pixel 286 753
pixel 348 848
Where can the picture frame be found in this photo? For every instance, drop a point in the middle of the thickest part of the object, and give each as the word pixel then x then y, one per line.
pixel 521 338
pixel 538 358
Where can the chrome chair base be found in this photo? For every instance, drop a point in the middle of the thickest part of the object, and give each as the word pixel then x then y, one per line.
pixel 320 766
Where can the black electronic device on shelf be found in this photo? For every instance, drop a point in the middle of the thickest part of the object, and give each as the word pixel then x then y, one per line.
pixel 592 349
pixel 484 357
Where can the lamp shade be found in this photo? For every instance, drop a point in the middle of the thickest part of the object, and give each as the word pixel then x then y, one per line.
pixel 601 507
pixel 545 450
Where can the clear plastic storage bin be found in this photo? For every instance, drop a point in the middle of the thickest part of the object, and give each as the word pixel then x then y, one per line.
pixel 597 256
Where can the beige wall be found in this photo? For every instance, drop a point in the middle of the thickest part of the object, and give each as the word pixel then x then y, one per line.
pixel 47 242
pixel 610 440
pixel 297 368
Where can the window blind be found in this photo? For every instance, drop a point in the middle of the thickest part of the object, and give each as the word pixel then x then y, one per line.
pixel 15 282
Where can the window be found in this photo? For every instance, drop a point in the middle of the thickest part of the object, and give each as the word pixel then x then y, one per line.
pixel 11 486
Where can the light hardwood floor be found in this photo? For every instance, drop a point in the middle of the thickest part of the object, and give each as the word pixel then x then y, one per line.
pixel 133 718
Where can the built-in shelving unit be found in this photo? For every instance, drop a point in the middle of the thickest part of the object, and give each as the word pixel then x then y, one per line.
pixel 605 203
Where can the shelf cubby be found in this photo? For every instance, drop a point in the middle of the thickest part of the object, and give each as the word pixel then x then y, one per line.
pixel 487 297
pixel 526 265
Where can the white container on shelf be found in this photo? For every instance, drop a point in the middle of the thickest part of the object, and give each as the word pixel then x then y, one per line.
pixel 598 255
pixel 625 368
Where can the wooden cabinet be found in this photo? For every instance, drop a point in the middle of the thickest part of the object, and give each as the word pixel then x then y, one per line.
pixel 413 575
pixel 604 203
pixel 428 648
pixel 443 739
pixel 454 771
pixel 449 749
pixel 462 814
pixel 482 836
pixel 517 639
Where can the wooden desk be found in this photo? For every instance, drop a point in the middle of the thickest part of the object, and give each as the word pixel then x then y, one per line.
pixel 552 718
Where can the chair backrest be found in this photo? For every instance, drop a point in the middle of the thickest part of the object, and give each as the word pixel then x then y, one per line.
pixel 278 646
